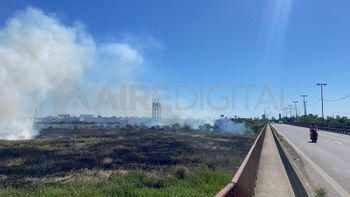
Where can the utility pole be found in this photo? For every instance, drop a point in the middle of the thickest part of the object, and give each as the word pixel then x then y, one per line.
pixel 286 110
pixel 296 108
pixel 290 110
pixel 265 114
pixel 304 102
pixel 322 84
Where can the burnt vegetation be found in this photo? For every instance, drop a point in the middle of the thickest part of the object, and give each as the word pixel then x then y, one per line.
pixel 58 153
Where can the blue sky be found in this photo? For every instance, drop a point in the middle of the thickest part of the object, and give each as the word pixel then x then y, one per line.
pixel 293 44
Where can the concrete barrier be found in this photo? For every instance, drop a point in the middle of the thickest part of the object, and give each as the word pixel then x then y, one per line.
pixel 243 183
pixel 297 185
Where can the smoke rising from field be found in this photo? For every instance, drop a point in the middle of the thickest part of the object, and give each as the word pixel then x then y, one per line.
pixel 37 52
pixel 222 125
pixel 229 126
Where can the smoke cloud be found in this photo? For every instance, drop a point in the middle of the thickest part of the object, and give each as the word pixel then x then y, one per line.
pixel 37 52
pixel 228 126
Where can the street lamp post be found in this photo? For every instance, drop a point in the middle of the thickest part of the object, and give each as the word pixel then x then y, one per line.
pixel 265 109
pixel 296 108
pixel 304 102
pixel 322 84
pixel 290 110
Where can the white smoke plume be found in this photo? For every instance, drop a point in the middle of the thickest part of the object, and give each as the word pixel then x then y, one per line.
pixel 228 126
pixel 37 52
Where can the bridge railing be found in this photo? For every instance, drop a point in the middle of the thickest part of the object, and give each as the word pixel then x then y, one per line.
pixel 243 183
pixel 343 129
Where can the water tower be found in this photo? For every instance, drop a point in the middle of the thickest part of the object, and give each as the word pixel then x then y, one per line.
pixel 156 108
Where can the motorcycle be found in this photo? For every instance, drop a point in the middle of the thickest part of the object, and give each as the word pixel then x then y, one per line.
pixel 313 136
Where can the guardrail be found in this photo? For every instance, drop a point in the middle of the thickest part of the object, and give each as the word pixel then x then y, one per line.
pixel 243 183
pixel 343 129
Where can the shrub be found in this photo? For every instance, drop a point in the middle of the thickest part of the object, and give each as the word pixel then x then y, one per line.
pixel 321 192
pixel 180 172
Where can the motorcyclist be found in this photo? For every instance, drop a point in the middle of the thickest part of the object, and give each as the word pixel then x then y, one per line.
pixel 313 132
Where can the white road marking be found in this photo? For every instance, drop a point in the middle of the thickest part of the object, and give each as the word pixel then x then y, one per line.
pixel 329 179
pixel 338 142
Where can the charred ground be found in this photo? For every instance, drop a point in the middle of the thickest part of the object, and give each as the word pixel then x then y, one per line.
pixel 56 154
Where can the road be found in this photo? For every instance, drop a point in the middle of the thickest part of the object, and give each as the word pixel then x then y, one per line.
pixel 329 158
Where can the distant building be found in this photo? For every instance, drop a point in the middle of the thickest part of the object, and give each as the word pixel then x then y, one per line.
pixel 85 117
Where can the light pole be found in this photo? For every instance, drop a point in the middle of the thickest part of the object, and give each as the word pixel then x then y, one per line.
pixel 290 110
pixel 296 108
pixel 285 110
pixel 265 109
pixel 322 84
pixel 304 102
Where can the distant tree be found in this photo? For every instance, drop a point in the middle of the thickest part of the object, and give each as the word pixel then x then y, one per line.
pixel 338 120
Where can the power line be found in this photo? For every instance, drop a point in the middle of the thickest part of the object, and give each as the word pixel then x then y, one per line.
pixel 315 103
pixel 336 100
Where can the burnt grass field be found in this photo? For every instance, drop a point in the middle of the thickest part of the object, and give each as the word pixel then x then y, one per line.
pixel 57 155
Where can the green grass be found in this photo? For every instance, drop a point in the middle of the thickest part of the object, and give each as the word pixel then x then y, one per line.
pixel 176 182
pixel 321 192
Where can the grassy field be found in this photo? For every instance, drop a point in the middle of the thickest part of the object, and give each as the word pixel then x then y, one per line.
pixel 120 162
pixel 202 182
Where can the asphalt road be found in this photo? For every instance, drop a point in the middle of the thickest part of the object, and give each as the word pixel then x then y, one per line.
pixel 330 157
